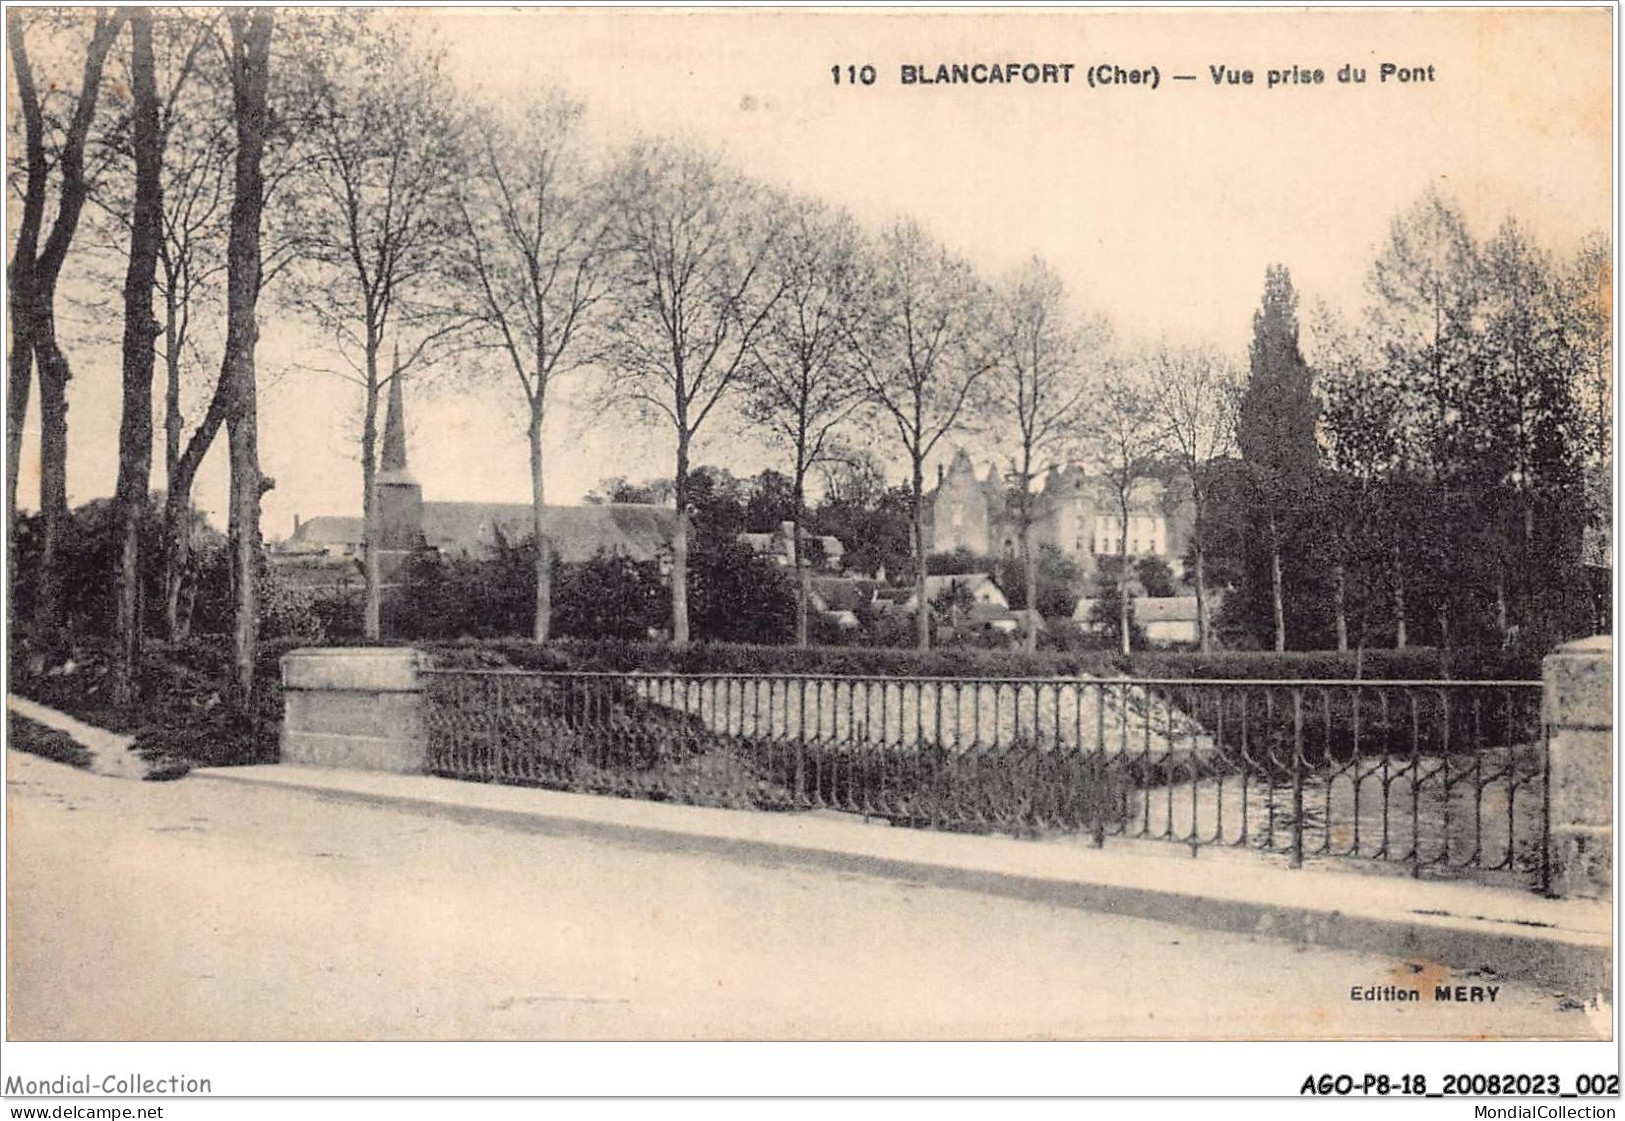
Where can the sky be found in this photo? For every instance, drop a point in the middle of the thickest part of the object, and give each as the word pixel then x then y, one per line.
pixel 1160 207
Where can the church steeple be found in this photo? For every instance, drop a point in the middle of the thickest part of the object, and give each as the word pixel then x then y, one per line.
pixel 400 499
pixel 393 464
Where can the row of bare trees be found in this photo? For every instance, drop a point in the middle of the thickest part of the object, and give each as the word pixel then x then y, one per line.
pixel 335 166
pixel 116 150
pixel 340 170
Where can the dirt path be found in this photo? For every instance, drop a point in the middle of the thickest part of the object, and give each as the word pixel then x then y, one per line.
pixel 110 751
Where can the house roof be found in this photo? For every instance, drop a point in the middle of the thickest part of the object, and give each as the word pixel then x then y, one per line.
pixel 329 529
pixel 638 531
pixel 972 581
pixel 777 543
pixel 839 593
pixel 1154 609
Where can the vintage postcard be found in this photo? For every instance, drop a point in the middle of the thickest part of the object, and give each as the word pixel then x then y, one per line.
pixel 604 524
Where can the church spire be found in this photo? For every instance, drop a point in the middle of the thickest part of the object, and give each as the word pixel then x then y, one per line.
pixel 394 460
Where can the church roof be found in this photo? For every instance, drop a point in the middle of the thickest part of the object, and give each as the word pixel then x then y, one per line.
pixel 578 532
pixel 329 529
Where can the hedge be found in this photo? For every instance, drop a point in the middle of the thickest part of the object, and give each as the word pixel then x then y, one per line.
pixel 1412 664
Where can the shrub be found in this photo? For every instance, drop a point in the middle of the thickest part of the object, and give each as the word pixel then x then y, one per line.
pixel 1415 663
pixel 959 562
pixel 612 596
pixel 1155 576
pixel 37 739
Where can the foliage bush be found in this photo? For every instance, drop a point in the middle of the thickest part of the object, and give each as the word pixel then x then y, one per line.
pixel 37 739
pixel 88 590
pixel 1415 663
pixel 180 707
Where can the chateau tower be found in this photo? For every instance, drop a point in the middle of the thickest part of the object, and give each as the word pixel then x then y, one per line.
pixel 959 516
pixel 400 498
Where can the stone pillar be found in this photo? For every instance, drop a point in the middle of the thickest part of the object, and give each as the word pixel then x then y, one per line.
pixel 1579 704
pixel 353 707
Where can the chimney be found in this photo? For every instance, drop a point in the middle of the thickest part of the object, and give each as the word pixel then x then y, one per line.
pixel 941 471
pixel 296 525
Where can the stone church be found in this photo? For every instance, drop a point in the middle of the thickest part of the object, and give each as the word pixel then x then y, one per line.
pixel 326 550
pixel 1076 514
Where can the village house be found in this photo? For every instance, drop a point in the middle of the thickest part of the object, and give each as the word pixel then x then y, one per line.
pixel 821 551
pixel 1166 620
pixel 841 598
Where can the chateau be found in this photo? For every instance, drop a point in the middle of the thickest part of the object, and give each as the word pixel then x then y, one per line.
pixel 1074 513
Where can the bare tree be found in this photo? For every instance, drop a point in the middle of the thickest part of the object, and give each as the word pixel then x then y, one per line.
pixel 35 271
pixel 140 331
pixel 1424 287
pixel 373 225
pixel 197 137
pixel 1124 444
pixel 919 334
pixel 851 476
pixel 692 294
pixel 1196 392
pixel 802 384
pixel 1040 382
pixel 1589 302
pixel 532 266
pixel 197 141
pixel 249 65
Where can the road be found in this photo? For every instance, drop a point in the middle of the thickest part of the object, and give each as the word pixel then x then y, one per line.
pixel 198 910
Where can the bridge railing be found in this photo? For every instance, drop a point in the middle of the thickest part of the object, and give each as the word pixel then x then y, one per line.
pixel 1432 776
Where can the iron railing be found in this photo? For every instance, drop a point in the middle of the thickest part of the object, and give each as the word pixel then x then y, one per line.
pixel 1445 776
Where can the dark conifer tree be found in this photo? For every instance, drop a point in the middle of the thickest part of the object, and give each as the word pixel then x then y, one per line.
pixel 1276 432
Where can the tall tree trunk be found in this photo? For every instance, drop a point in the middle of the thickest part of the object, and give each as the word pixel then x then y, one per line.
pixel 1030 564
pixel 183 465
pixel 54 373
pixel 922 613
pixel 177 531
pixel 1340 605
pixel 177 555
pixel 251 48
pixel 1397 577
pixel 140 334
pixel 803 577
pixel 542 623
pixel 1124 632
pixel 1276 590
pixel 371 530
pixel 679 548
pixel 19 386
pixel 1204 624
pixel 51 364
pixel 19 383
pixel 20 279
